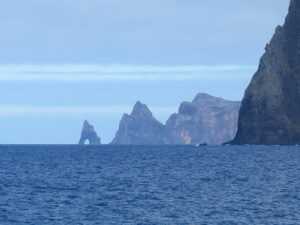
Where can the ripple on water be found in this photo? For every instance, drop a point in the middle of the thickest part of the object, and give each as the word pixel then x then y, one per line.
pixel 149 185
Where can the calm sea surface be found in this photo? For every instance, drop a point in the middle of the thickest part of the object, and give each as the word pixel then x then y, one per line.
pixel 149 185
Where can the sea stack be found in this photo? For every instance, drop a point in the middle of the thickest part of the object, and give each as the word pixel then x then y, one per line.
pixel 88 133
pixel 270 110
pixel 139 128
pixel 207 119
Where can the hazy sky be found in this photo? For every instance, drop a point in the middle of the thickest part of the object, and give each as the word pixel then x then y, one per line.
pixel 65 61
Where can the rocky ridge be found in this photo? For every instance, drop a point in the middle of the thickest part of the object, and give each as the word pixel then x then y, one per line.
pixel 206 119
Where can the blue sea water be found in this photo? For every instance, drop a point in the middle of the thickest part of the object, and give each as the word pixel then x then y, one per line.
pixel 49 184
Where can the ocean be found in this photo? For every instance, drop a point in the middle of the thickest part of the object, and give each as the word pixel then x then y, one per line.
pixel 68 184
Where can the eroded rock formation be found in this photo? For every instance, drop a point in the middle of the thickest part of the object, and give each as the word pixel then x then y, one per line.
pixel 89 134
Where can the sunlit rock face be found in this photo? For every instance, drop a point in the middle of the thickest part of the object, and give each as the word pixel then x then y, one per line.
pixel 270 110
pixel 206 119
pixel 89 134
pixel 139 128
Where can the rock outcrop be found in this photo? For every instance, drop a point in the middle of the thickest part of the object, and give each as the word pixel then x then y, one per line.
pixel 139 128
pixel 270 110
pixel 88 133
pixel 206 119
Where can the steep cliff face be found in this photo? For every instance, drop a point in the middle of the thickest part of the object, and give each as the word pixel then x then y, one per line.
pixel 139 128
pixel 88 133
pixel 270 110
pixel 206 119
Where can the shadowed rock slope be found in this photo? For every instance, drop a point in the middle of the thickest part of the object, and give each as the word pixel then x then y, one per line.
pixel 270 110
pixel 88 133
pixel 139 128
pixel 206 119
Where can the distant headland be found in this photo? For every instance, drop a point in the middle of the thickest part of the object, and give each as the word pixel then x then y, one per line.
pixel 206 119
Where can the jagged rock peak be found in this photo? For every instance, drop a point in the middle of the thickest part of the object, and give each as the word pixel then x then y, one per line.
pixel 139 128
pixel 141 110
pixel 87 126
pixel 88 133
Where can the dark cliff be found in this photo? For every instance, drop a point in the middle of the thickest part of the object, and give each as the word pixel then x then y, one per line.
pixel 139 128
pixel 270 110
pixel 206 119
pixel 88 133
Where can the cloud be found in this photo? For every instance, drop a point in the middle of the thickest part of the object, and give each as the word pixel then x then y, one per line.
pixel 7 110
pixel 92 68
pixel 101 73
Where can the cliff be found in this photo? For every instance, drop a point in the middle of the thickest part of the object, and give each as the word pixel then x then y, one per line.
pixel 270 110
pixel 88 133
pixel 139 128
pixel 206 119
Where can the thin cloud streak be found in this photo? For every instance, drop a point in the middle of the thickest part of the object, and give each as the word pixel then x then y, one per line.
pixel 97 73
pixel 6 110
pixel 92 68
pixel 117 78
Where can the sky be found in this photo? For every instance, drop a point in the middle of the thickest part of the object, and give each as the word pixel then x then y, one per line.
pixel 64 61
